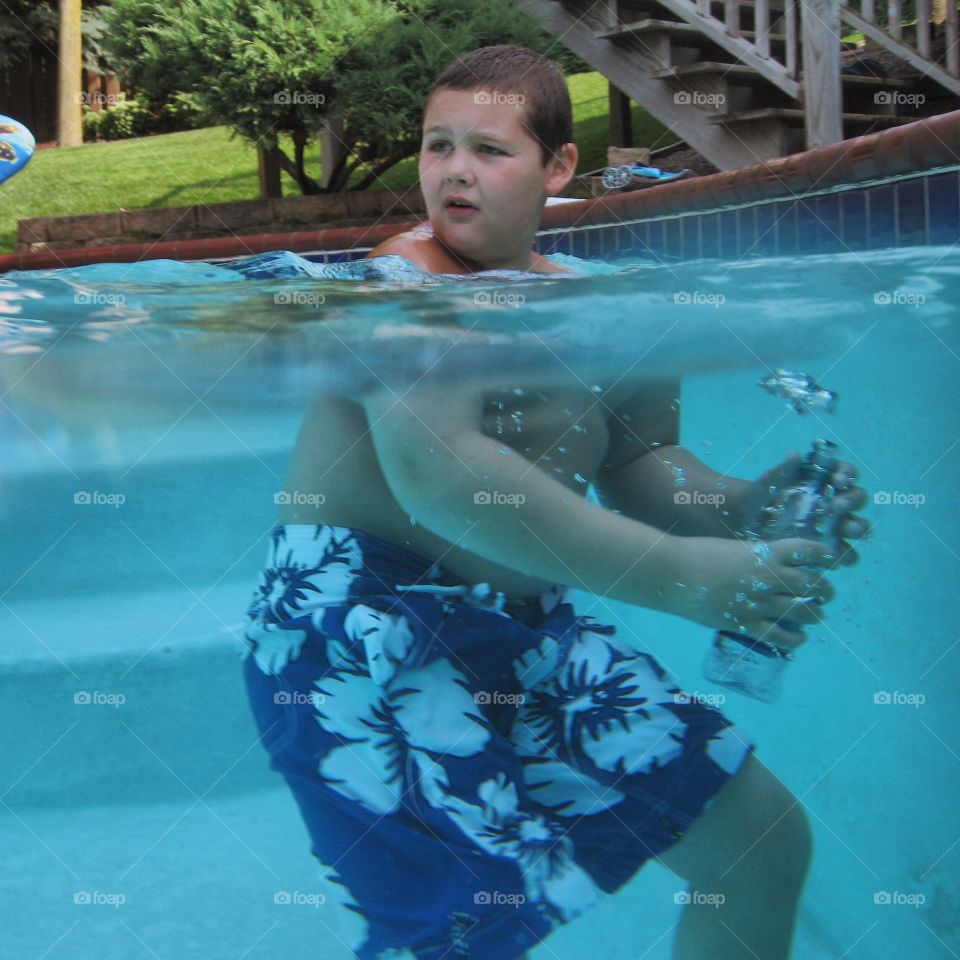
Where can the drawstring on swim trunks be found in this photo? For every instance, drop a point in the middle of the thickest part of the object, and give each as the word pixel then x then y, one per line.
pixel 479 595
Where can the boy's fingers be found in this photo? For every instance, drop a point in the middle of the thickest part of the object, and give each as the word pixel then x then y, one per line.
pixel 805 553
pixel 781 636
pixel 850 500
pixel 844 476
pixel 854 527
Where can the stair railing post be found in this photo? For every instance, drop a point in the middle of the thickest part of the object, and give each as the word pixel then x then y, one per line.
pixel 822 96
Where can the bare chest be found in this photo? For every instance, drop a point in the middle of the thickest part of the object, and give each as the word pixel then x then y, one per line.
pixel 564 433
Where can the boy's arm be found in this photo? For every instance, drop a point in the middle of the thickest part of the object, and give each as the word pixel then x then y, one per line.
pixel 644 463
pixel 649 477
pixel 436 458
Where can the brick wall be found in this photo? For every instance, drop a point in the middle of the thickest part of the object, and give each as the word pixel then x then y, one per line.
pixel 201 221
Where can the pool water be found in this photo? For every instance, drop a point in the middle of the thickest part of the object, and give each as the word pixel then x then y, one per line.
pixel 148 414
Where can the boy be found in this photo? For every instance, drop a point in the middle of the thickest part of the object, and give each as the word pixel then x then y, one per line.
pixel 474 761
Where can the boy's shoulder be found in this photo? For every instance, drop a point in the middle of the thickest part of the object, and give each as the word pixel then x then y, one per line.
pixel 422 249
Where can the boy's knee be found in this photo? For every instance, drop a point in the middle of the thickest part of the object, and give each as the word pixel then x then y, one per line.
pixel 777 830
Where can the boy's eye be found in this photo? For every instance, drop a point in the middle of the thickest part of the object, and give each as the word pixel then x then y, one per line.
pixel 490 149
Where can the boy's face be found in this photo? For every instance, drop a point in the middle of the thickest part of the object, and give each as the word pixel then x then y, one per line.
pixel 476 150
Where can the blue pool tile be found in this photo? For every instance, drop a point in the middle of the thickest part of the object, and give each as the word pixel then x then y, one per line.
pixel 655 237
pixel 883 219
pixel 787 228
pixel 691 238
pixel 808 227
pixel 766 242
pixel 579 245
pixel 747 232
pixel 548 244
pixel 853 209
pixel 729 246
pixel 710 235
pixel 943 195
pixel 911 213
pixel 673 237
pixel 828 224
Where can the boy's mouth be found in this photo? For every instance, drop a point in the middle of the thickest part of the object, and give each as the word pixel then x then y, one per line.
pixel 457 204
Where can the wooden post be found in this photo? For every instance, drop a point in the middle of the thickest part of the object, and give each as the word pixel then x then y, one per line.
pixel 822 95
pixel 70 76
pixel 621 127
pixel 269 170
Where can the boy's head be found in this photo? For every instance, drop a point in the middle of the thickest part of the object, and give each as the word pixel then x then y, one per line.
pixel 534 83
pixel 497 134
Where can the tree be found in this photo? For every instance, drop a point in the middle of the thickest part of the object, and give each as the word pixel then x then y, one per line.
pixel 70 74
pixel 272 67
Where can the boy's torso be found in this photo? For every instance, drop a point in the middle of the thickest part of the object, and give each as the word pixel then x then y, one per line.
pixel 564 434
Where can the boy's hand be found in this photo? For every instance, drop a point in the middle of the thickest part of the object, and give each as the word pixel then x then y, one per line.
pixel 749 586
pixel 849 498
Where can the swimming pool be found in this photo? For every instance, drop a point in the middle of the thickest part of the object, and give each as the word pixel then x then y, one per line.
pixel 147 421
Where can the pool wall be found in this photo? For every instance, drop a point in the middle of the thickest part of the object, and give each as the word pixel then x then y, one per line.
pixel 830 199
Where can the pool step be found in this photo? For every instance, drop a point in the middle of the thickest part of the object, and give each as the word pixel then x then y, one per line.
pixel 128 697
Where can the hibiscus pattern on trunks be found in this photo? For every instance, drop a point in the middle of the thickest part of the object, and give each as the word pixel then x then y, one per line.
pixel 457 823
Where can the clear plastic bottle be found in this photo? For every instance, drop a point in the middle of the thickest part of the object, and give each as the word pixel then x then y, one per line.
pixel 746 664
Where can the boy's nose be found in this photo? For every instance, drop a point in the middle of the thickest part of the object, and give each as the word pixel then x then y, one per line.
pixel 458 171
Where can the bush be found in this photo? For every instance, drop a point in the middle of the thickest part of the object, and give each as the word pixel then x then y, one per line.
pixel 267 68
pixel 119 121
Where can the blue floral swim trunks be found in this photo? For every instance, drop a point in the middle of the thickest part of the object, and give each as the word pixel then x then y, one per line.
pixel 472 774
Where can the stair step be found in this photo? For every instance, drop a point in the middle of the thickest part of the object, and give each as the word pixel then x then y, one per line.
pixel 741 73
pixel 648 26
pixel 677 28
pixel 737 72
pixel 789 113
pixel 879 83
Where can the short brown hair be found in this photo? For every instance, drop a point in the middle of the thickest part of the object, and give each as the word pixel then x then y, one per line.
pixel 508 69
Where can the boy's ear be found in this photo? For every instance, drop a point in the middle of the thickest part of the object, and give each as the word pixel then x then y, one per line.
pixel 561 167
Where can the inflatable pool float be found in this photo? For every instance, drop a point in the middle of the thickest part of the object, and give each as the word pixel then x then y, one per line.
pixel 16 147
pixel 616 177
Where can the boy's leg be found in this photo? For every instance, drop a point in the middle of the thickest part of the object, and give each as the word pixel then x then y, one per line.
pixel 753 846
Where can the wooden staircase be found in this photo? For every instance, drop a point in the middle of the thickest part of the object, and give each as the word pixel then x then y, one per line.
pixel 742 81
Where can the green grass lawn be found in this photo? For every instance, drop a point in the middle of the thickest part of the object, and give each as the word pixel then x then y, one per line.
pixel 210 166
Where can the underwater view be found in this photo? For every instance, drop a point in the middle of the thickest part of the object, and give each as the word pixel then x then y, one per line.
pixel 149 418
